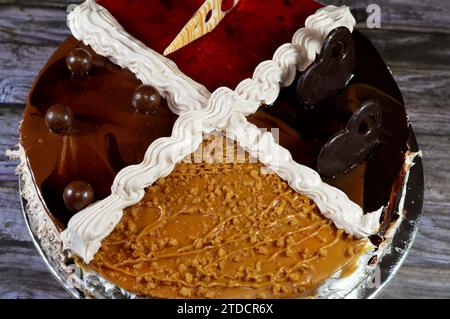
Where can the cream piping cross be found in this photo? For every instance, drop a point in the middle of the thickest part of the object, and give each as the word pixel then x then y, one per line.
pixel 224 109
pixel 206 19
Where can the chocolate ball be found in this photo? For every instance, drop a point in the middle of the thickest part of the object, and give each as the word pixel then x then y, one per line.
pixel 78 195
pixel 79 61
pixel 59 119
pixel 97 59
pixel 146 99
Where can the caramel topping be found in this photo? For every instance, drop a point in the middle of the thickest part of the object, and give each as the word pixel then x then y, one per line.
pixel 218 230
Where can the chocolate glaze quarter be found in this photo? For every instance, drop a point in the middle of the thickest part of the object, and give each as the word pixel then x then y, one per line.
pixel 304 130
pixel 108 134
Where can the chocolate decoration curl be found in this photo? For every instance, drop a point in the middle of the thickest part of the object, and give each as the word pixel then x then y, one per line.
pixel 331 71
pixel 351 146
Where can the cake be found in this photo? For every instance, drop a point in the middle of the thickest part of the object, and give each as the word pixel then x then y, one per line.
pixel 262 153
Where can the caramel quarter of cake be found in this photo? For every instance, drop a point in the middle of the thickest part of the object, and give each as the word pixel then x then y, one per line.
pixel 217 230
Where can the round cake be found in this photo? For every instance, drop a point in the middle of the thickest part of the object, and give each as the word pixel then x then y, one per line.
pixel 214 149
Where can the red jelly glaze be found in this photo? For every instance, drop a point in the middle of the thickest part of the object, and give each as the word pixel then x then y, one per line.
pixel 248 35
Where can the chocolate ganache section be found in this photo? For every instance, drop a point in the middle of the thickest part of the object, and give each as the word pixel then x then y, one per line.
pixel 305 129
pixel 80 125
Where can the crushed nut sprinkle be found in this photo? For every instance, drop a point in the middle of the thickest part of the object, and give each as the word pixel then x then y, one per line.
pixel 217 230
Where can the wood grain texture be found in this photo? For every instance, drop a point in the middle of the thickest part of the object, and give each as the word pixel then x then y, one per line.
pixel 414 41
pixel 403 14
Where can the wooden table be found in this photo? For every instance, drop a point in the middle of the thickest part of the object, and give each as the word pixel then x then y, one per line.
pixel 414 39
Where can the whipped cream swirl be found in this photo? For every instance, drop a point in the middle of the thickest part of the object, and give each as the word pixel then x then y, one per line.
pixel 268 78
pixel 204 113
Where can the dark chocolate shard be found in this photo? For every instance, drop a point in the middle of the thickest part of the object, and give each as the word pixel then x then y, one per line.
pixel 331 71
pixel 351 146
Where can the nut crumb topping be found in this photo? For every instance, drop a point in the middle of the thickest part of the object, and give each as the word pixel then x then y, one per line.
pixel 218 230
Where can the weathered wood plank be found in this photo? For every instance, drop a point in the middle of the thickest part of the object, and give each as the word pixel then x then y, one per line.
pixel 432 248
pixel 40 3
pixel 408 49
pixel 18 279
pixel 10 116
pixel 427 14
pixel 416 14
pixel 20 65
pixel 17 253
pixel 426 96
pixel 32 25
pixel 419 283
pixel 11 221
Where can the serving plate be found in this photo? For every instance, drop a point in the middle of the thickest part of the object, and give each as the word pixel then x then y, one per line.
pixel 369 287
